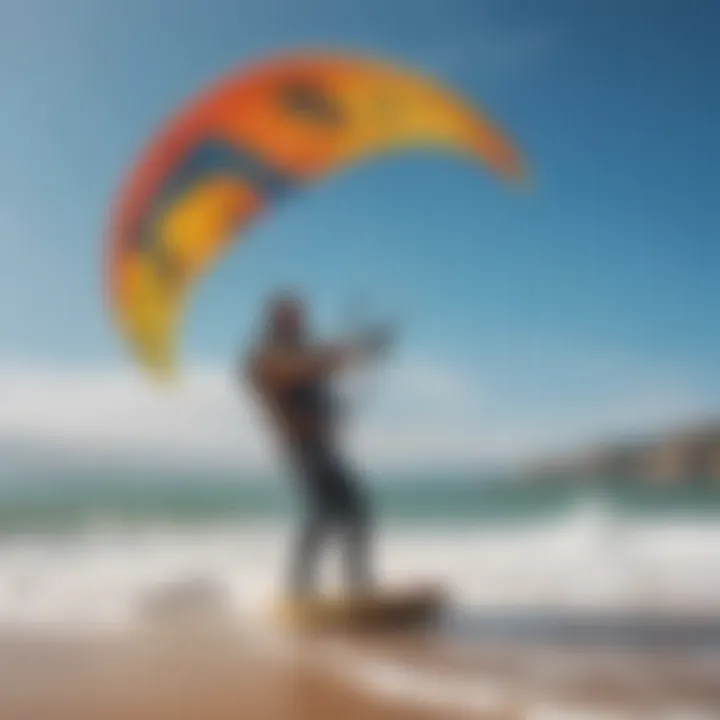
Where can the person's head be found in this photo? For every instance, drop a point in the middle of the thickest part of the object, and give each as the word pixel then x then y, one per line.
pixel 286 319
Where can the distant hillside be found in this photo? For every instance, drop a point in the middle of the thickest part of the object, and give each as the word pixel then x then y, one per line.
pixel 689 455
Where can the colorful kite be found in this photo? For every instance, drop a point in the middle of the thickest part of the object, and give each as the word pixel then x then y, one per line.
pixel 255 137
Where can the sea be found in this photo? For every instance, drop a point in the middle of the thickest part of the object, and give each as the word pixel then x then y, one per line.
pixel 91 553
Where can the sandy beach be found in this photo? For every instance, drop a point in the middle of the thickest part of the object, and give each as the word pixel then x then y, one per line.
pixel 216 669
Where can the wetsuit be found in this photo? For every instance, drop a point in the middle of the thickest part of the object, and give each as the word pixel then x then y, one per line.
pixel 335 503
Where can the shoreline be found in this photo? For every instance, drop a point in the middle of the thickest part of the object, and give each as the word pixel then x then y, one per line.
pixel 216 668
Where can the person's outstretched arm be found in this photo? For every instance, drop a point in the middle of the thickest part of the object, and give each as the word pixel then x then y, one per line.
pixel 282 367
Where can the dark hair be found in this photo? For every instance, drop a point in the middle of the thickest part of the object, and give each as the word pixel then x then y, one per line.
pixel 280 301
pixel 277 304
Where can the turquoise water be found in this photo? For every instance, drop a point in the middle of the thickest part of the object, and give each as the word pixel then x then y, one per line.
pixel 69 504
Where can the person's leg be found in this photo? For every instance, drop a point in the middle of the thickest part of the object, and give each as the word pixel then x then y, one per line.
pixel 303 570
pixel 311 471
pixel 351 514
pixel 358 539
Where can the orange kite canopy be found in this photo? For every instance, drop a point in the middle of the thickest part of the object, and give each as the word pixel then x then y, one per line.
pixel 257 135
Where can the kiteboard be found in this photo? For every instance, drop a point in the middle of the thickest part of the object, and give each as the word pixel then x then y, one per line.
pixel 381 611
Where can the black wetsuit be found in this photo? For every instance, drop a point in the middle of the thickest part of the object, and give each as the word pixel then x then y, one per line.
pixel 335 501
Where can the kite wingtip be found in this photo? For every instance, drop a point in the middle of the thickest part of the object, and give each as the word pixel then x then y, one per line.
pixel 522 177
pixel 162 370
pixel 165 374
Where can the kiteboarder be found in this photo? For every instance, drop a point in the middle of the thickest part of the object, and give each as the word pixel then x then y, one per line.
pixel 293 377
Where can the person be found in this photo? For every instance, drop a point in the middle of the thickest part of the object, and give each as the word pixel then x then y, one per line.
pixel 293 377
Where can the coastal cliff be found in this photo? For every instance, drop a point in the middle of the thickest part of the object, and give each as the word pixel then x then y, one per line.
pixel 682 456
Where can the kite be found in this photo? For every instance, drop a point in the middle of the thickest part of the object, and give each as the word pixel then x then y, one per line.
pixel 255 137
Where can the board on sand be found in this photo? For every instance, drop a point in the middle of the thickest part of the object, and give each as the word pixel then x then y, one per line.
pixel 382 611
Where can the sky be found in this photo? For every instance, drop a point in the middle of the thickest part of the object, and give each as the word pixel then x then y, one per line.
pixel 581 308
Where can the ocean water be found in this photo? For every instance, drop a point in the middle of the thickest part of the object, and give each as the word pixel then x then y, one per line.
pixel 95 555
pixel 62 504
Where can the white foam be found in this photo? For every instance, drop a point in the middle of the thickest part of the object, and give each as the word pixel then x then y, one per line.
pixel 480 695
pixel 473 694
pixel 688 712
pixel 436 690
pixel 100 578
pixel 557 710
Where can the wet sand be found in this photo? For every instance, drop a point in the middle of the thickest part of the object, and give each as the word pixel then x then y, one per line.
pixel 215 670
pixel 178 676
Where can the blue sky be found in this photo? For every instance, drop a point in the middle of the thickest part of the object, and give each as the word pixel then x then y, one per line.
pixel 599 281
